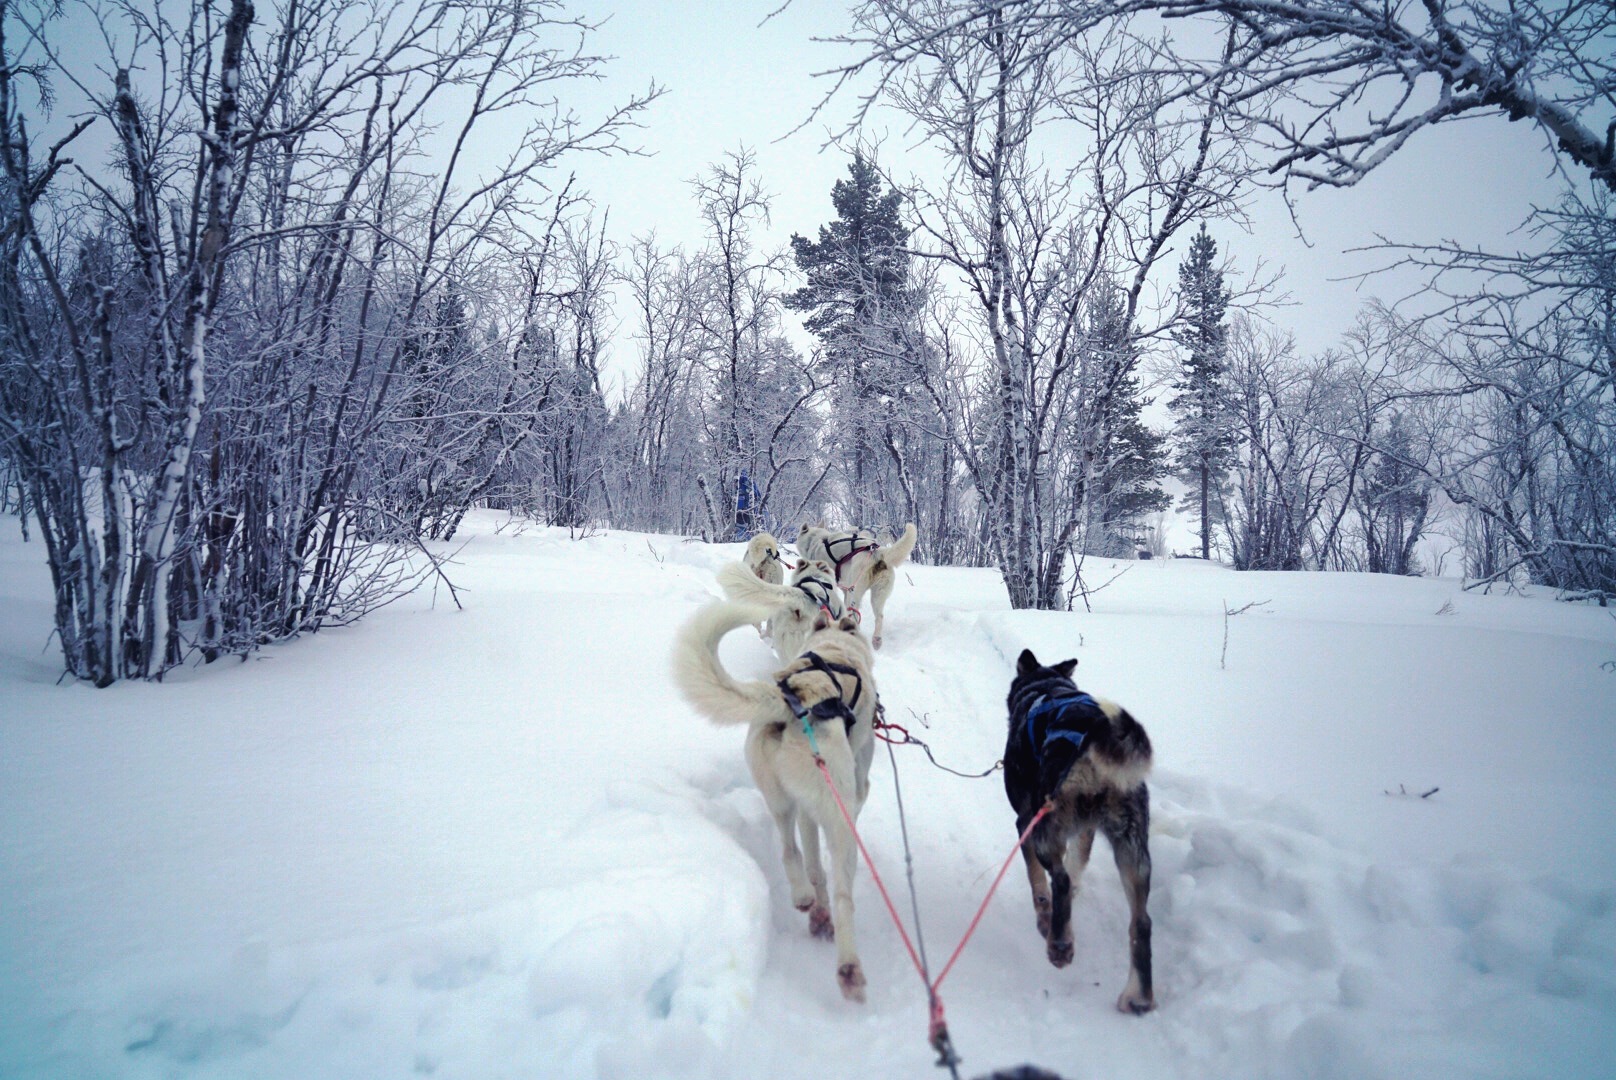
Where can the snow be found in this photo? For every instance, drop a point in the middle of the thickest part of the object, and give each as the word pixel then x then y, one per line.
pixel 494 843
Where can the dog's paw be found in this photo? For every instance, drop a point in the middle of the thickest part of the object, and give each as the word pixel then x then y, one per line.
pixel 875 642
pixel 1131 1001
pixel 1061 953
pixel 804 902
pixel 850 977
pixel 819 924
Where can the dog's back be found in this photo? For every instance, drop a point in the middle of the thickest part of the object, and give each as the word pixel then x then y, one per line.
pixel 792 608
pixel 861 565
pixel 1116 754
pixel 842 548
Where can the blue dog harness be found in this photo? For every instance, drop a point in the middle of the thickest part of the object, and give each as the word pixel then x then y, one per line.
pixel 1071 718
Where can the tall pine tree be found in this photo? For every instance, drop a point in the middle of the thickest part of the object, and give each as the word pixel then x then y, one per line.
pixel 1130 458
pixel 1204 437
pixel 861 305
pixel 1394 501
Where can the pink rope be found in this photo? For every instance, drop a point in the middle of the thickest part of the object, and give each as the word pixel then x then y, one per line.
pixel 991 889
pixel 938 1026
pixel 913 955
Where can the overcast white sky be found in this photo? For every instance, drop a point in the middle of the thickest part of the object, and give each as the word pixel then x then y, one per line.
pixel 732 81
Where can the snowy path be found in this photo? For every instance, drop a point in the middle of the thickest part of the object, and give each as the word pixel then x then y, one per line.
pixel 493 843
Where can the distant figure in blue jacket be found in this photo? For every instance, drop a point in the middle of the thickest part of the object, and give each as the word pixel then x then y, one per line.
pixel 746 499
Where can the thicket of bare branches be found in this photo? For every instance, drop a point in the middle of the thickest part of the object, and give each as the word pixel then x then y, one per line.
pixel 724 401
pixel 1331 88
pixel 1503 400
pixel 259 333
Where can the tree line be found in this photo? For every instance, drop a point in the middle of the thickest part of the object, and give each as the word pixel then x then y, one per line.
pixel 267 329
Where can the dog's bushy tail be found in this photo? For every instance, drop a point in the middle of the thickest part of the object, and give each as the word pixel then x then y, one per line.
pixel 745 587
pixel 700 677
pixel 896 552
pixel 1121 751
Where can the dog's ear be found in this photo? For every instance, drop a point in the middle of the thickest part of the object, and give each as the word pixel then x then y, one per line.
pixel 848 624
pixel 820 622
pixel 1065 668
pixel 1026 663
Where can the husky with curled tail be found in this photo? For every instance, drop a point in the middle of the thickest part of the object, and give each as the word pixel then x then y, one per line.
pixel 795 609
pixel 861 564
pixel 1086 758
pixel 830 683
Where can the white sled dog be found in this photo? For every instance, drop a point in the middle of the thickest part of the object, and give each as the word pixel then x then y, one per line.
pixel 832 679
pixel 763 559
pixel 861 565
pixel 794 608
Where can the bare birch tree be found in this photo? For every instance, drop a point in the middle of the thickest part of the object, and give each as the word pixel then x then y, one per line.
pixel 755 411
pixel 1035 249
pixel 1331 88
pixel 215 331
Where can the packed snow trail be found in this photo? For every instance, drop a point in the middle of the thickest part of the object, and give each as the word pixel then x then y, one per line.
pixel 494 843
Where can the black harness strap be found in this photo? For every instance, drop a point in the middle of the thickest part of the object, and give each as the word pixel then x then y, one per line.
pixel 822 597
pixel 830 708
pixel 852 540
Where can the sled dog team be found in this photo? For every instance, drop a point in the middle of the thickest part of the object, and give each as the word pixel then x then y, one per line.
pixel 1084 757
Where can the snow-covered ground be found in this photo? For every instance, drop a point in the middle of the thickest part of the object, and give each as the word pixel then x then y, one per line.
pixel 493 842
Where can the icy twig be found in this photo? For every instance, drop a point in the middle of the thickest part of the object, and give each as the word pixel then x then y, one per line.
pixel 1403 792
pixel 1228 613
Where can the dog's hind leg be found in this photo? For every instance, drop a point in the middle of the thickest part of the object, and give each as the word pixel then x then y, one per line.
pixel 1074 873
pixel 802 890
pixel 880 588
pixel 844 862
pixel 819 921
pixel 1035 878
pixel 1049 844
pixel 1085 846
pixel 1130 843
pixel 839 761
pixel 783 808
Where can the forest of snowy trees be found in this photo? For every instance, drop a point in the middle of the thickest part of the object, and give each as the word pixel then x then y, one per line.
pixel 286 291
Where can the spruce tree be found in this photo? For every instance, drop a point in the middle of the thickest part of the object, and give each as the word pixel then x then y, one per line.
pixel 1395 499
pixel 1133 457
pixel 1204 437
pixel 860 305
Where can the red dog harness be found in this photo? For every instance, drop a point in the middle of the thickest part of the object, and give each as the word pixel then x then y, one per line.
pixel 852 540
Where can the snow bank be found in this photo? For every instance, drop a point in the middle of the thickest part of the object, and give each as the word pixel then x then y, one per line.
pixel 493 843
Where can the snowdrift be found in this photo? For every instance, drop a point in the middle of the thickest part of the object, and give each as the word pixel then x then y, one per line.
pixel 491 842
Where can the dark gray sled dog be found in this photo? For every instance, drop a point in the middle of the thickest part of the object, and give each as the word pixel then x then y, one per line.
pixel 1088 758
